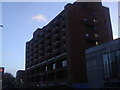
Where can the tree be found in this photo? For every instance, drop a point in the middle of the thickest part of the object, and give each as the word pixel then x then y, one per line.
pixel 8 80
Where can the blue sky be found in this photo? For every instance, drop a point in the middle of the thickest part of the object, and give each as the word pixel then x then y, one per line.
pixel 21 19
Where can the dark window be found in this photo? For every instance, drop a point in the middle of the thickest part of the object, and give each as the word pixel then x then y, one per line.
pixel 59 64
pixel 62 74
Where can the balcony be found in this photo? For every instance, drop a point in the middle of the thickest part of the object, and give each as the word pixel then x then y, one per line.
pixel 63 29
pixel 48 38
pixel 48 41
pixel 36 39
pixel 48 50
pixel 41 46
pixel 56 35
pixel 41 57
pixel 56 53
pixel 48 30
pixel 90 36
pixel 57 43
pixel 63 26
pixel 36 55
pixel 93 42
pixel 56 32
pixel 36 43
pixel 50 67
pixel 36 50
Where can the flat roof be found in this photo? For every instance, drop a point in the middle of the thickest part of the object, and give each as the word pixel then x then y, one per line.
pixel 110 44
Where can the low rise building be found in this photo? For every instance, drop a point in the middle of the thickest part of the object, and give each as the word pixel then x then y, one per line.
pixel 20 79
pixel 103 65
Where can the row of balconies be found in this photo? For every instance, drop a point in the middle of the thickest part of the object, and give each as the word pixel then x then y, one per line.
pixel 46 36
pixel 57 40
pixel 46 48
pixel 49 33
pixel 50 43
pixel 47 68
pixel 47 53
pixel 41 59
pixel 58 21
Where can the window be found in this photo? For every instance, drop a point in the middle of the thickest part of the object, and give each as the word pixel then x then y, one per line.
pixel 63 18
pixel 64 63
pixel 110 63
pixel 87 35
pixel 96 35
pixel 59 64
pixel 53 66
pixel 95 28
pixel 63 26
pixel 106 65
pixel 64 34
pixel 118 60
pixel 64 42
pixel 85 19
pixel 113 63
pixel 94 13
pixel 96 43
pixel 61 74
pixel 58 38
pixel 46 68
pixel 94 20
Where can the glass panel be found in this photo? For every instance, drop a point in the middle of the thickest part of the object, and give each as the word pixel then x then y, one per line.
pixel 53 66
pixel 118 61
pixel 64 63
pixel 46 68
pixel 105 59
pixel 106 65
pixel 87 35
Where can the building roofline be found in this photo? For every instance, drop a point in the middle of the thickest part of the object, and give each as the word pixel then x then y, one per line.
pixel 103 45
